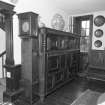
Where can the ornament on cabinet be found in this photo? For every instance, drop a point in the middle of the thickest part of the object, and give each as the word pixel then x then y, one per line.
pixel 58 22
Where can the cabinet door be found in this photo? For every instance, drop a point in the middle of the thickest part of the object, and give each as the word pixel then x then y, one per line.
pixel 74 64
pixel 68 66
pixel 50 82
pixel 63 62
pixel 53 63
pixel 58 78
pixel 52 43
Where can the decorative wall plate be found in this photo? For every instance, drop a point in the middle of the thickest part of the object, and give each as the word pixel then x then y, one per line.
pixel 99 20
pixel 98 33
pixel 98 43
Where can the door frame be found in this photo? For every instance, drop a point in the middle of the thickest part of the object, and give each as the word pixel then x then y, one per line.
pixel 77 29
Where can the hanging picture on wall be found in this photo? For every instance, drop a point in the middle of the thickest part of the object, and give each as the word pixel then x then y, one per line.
pixel 98 33
pixel 99 20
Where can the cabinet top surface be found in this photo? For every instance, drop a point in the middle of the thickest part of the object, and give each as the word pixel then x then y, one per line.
pixel 57 32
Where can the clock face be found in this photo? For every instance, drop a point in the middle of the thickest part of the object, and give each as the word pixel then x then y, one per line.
pixel 25 26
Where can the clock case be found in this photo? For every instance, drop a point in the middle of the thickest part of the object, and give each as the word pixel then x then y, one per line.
pixel 31 19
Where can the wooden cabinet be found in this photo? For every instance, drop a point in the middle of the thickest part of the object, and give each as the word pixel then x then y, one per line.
pixel 58 59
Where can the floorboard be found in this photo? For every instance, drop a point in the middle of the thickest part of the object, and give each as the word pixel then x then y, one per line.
pixel 68 93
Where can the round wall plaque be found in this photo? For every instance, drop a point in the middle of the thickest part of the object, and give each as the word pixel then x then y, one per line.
pixel 99 20
pixel 98 43
pixel 98 33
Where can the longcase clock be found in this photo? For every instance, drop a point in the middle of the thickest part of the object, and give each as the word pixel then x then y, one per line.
pixel 28 29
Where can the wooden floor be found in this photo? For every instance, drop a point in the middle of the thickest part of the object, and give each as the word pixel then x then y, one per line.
pixel 68 93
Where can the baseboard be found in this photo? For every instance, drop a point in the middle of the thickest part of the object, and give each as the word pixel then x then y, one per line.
pixel 95 78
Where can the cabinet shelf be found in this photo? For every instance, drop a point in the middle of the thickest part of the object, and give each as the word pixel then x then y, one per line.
pixel 55 53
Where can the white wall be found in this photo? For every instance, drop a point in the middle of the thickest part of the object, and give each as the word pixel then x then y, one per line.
pixel 2 41
pixel 2 48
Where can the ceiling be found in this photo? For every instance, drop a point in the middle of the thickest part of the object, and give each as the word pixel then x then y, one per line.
pixel 80 6
pixel 74 6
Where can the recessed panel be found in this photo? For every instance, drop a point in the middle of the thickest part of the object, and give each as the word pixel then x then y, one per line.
pixel 53 63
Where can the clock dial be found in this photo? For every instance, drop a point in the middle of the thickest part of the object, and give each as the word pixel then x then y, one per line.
pixel 25 27
pixel 28 24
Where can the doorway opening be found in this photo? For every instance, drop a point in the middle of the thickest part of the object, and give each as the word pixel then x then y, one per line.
pixel 83 27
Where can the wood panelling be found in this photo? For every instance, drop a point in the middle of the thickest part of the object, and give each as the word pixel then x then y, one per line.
pixel 97 65
pixel 97 58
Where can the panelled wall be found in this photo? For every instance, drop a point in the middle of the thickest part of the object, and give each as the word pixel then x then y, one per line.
pixel 96 65
pixel 97 52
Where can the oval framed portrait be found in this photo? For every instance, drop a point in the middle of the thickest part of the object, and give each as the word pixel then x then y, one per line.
pixel 98 43
pixel 98 33
pixel 99 20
